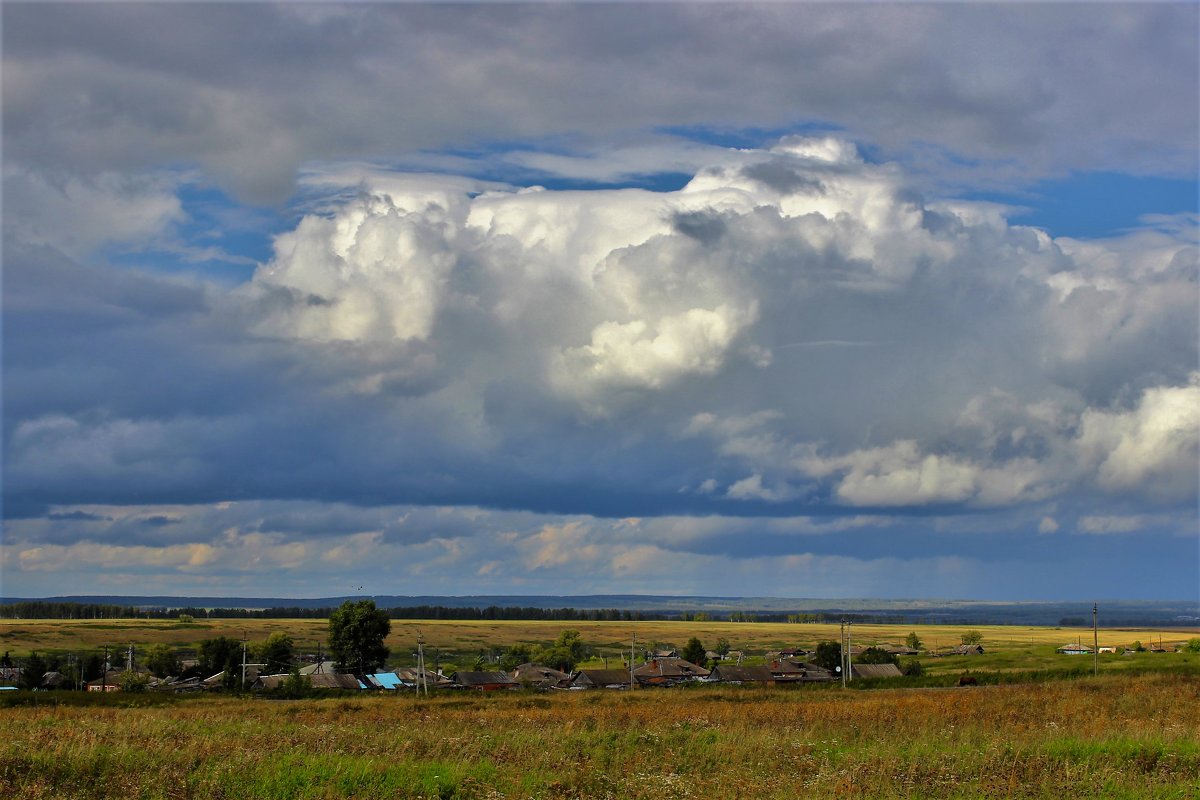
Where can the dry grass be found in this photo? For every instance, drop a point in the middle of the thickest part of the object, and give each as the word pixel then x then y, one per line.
pixel 1112 737
pixel 463 638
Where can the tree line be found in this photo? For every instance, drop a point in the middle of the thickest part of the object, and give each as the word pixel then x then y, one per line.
pixel 38 609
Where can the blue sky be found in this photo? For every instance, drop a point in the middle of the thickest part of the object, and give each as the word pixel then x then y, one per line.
pixel 774 300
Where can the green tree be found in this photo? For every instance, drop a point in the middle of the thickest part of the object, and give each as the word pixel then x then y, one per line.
pixel 217 654
pixel 722 648
pixel 130 681
pixel 276 652
pixel 876 655
pixel 356 633
pixel 567 651
pixel 161 660
pixel 295 685
pixel 93 665
pixel 972 637
pixel 912 667
pixel 515 656
pixel 33 669
pixel 828 655
pixel 186 618
pixel 694 651
pixel 1192 646
pixel 913 641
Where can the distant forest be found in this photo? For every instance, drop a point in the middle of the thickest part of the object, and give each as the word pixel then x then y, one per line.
pixel 35 609
pixel 41 609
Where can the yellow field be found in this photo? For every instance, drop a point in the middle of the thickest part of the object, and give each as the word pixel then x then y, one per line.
pixel 458 638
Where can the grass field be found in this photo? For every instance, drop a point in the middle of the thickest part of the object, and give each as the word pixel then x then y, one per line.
pixel 1113 736
pixel 458 643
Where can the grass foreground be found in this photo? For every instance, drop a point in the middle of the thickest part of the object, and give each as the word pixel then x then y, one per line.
pixel 1112 736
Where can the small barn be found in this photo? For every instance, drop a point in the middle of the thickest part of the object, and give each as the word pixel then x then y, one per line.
pixel 875 671
pixel 667 672
pixel 730 673
pixel 540 676
pixel 484 681
pixel 601 679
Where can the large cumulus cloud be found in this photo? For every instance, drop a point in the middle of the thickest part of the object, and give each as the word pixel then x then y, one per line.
pixel 798 335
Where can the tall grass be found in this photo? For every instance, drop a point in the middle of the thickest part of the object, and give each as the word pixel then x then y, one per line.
pixel 1116 736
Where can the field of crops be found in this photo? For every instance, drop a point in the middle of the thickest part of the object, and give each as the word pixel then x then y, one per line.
pixel 1113 736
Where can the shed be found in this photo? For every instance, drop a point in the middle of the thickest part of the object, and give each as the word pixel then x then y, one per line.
pixel 967 650
pixel 668 671
pixel 384 680
pixel 729 673
pixel 601 679
pixel 484 681
pixel 540 675
pixel 875 671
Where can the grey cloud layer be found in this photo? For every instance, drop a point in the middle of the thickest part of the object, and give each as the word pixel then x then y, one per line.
pixel 252 92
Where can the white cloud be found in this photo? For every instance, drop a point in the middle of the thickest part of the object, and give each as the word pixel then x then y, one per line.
pixel 1110 524
pixel 79 214
pixel 1153 447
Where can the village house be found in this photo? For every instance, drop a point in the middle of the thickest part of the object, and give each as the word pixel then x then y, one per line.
pixel 601 679
pixel 668 672
pixel 967 650
pixel 484 681
pixel 540 676
pixel 786 671
pixel 731 673
pixel 875 671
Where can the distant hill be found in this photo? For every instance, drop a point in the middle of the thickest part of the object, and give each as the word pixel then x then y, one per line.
pixel 1113 613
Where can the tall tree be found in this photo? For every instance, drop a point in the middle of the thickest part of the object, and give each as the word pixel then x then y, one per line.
pixel 356 633
pixel 32 671
pixel 877 655
pixel 914 641
pixel 828 655
pixel 161 660
pixel 515 656
pixel 276 652
pixel 694 651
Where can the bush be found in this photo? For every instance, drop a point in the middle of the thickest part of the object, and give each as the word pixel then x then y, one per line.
pixel 130 681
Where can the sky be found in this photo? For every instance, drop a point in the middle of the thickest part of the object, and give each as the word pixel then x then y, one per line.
pixel 787 300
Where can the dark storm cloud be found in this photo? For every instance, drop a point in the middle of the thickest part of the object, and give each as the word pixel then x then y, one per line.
pixel 253 91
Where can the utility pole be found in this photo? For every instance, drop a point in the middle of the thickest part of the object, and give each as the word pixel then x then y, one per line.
pixel 422 681
pixel 842 652
pixel 243 661
pixel 849 663
pixel 632 647
pixel 1095 643
pixel 104 672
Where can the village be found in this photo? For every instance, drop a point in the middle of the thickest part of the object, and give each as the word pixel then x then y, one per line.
pixel 313 673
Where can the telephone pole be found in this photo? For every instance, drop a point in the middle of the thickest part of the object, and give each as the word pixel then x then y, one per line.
pixel 422 680
pixel 842 652
pixel 1095 643
pixel 849 663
